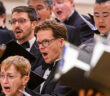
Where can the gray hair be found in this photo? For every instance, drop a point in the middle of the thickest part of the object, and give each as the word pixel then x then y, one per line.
pixel 48 2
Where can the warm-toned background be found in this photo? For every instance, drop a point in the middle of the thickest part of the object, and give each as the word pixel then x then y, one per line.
pixel 83 6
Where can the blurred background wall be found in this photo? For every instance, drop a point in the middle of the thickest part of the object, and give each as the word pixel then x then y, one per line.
pixel 83 7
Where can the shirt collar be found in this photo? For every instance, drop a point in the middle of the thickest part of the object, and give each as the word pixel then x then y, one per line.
pixel 31 42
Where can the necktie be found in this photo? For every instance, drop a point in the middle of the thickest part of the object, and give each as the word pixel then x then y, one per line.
pixel 25 45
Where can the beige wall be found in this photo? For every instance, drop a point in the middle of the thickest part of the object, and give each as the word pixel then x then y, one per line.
pixel 84 6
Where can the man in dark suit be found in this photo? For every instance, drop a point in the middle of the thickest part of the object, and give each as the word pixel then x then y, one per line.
pixel 101 18
pixel 65 11
pixel 8 35
pixel 51 36
pixel 44 10
pixel 24 20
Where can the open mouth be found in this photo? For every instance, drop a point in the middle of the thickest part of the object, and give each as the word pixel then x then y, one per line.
pixel 39 18
pixel 18 31
pixel 6 89
pixel 44 54
pixel 59 12
pixel 101 27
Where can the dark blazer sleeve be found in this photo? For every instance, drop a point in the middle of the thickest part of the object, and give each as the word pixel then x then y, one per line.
pixel 5 37
pixel 85 31
pixel 73 35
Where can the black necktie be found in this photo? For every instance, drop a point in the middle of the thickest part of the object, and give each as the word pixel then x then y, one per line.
pixel 25 45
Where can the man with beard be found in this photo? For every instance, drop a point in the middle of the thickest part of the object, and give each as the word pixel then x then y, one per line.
pixel 24 20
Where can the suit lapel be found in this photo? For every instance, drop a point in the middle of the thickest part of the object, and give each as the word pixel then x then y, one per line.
pixel 74 19
pixel 51 76
pixel 34 50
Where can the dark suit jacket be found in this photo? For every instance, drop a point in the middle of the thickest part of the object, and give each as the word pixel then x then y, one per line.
pixel 73 35
pixel 51 87
pixel 1 94
pixel 4 36
pixel 9 31
pixel 36 52
pixel 76 20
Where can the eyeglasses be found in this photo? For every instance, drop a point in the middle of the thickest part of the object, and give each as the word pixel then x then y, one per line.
pixel 45 43
pixel 9 77
pixel 20 21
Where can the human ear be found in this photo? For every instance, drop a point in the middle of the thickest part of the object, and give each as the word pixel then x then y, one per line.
pixel 25 80
pixel 34 23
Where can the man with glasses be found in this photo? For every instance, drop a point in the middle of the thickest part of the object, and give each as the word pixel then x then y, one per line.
pixel 24 20
pixel 51 36
pixel 44 10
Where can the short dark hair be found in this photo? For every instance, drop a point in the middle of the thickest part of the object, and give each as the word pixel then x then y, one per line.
pixel 101 1
pixel 48 2
pixel 2 8
pixel 58 28
pixel 31 12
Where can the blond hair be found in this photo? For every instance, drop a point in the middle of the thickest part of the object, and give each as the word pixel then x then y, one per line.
pixel 20 63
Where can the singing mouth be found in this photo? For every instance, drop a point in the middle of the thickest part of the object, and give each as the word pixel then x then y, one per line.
pixel 44 54
pixel 59 12
pixel 39 18
pixel 18 31
pixel 101 27
pixel 7 89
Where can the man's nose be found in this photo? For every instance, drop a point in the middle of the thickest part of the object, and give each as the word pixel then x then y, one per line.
pixel 17 23
pixel 41 46
pixel 101 19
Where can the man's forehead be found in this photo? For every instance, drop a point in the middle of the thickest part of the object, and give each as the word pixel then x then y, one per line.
pixel 35 1
pixel 102 7
pixel 60 0
pixel 18 14
pixel 47 33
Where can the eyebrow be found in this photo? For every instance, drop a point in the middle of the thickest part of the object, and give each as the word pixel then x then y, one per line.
pixel 101 13
pixel 7 73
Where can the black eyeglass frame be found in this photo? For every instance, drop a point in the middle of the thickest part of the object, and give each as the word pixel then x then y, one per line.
pixel 45 43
